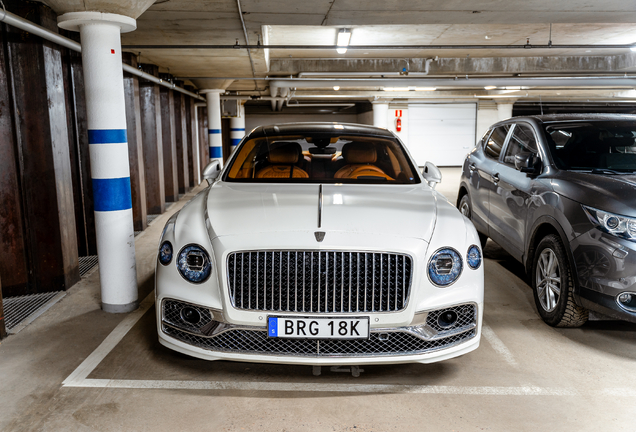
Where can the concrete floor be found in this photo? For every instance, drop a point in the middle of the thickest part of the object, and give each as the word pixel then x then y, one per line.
pixel 525 375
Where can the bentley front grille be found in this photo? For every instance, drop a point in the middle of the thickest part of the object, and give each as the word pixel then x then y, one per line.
pixel 319 281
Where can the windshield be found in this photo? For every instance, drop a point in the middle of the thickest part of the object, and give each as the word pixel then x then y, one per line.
pixel 322 158
pixel 602 146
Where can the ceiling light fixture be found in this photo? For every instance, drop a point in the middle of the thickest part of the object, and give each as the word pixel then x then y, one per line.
pixel 633 48
pixel 344 36
pixel 336 88
pixel 490 87
pixel 404 89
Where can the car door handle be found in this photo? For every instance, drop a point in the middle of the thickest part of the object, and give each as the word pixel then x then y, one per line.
pixel 472 167
pixel 495 178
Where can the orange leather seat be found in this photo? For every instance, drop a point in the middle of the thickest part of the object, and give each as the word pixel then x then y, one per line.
pixel 359 158
pixel 283 160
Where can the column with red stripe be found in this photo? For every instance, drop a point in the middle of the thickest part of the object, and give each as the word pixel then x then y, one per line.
pixel 108 148
pixel 215 138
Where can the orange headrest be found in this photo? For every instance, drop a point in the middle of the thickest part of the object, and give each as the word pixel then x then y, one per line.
pixel 284 153
pixel 359 153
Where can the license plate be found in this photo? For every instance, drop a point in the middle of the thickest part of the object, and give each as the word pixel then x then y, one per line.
pixel 318 328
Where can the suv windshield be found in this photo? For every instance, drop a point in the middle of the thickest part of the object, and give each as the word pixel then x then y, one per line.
pixel 323 158
pixel 601 146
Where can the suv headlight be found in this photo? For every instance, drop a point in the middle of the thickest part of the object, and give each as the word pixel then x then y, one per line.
pixel 444 267
pixel 617 225
pixel 194 263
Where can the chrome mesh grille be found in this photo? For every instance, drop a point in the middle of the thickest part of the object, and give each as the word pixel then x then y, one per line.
pixel 257 342
pixel 319 281
pixel 466 315
pixel 172 315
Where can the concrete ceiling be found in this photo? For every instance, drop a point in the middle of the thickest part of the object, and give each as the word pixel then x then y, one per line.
pixel 385 22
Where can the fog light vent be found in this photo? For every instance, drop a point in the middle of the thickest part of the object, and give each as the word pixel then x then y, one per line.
pixel 627 301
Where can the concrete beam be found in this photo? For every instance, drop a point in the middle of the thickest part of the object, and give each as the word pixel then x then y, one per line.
pixel 130 8
pixel 462 66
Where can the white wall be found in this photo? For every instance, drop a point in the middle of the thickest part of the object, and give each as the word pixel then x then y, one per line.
pixel 487 114
pixel 441 133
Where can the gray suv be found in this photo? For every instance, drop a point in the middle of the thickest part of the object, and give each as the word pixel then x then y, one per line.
pixel 558 192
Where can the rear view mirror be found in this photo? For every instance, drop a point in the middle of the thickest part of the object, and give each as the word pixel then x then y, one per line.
pixel 527 163
pixel 212 171
pixel 431 174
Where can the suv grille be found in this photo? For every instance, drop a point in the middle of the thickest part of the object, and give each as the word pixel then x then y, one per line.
pixel 319 281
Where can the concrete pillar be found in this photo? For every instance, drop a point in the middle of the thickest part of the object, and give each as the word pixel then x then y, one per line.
pixel 169 141
pixel 103 79
pixel 504 110
pixel 380 114
pixel 151 134
pixel 237 127
pixel 215 138
pixel 135 146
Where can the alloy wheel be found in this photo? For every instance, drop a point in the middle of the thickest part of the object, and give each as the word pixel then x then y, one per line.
pixel 548 280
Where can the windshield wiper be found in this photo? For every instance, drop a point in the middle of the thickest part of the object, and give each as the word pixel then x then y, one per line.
pixel 606 171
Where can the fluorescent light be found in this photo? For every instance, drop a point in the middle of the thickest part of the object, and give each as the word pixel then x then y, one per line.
pixel 344 36
pixel 633 48
pixel 490 87
pixel 336 88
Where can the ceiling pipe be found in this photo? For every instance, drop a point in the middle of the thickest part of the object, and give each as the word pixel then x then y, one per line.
pixel 383 47
pixel 461 82
pixel 26 25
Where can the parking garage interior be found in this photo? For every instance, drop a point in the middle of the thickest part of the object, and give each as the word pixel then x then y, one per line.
pixel 181 82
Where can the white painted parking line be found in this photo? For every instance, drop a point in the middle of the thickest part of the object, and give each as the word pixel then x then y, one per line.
pixel 327 388
pixel 498 345
pixel 111 341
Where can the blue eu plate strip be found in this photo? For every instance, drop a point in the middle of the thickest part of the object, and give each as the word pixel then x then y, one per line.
pixel 272 327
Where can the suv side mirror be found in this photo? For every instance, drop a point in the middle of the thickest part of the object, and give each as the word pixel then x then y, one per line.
pixel 431 174
pixel 212 171
pixel 527 163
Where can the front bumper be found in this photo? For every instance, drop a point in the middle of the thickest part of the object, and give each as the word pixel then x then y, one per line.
pixel 213 339
pixel 605 269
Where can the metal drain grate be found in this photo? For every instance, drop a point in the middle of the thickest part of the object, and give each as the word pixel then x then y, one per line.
pixel 19 309
pixel 152 217
pixel 86 264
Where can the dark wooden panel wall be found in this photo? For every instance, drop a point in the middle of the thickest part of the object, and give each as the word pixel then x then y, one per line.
pixel 46 200
pixel 168 134
pixel 150 106
pixel 47 253
pixel 135 146
pixel 203 137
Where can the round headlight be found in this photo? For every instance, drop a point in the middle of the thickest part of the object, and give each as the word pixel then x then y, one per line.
pixel 194 263
pixel 473 258
pixel 444 267
pixel 165 253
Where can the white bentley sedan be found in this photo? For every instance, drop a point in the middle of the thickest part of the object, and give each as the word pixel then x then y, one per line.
pixel 320 244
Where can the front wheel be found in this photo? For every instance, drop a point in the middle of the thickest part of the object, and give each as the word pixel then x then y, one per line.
pixel 466 209
pixel 553 285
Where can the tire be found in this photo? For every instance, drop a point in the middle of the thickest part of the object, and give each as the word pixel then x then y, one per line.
pixel 553 285
pixel 466 209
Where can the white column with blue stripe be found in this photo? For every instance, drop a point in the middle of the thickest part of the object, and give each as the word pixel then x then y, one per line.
pixel 215 139
pixel 108 148
pixel 237 126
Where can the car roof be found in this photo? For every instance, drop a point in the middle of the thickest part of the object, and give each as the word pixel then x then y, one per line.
pixel 319 128
pixel 554 118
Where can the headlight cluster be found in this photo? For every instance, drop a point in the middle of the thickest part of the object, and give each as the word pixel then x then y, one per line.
pixel 445 266
pixel 620 226
pixel 194 263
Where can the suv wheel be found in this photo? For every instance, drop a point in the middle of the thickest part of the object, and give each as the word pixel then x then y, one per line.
pixel 553 285
pixel 466 209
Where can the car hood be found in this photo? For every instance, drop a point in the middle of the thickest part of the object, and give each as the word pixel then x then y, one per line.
pixel 398 210
pixel 613 193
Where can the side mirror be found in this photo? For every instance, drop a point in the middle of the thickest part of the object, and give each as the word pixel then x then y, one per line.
pixel 212 171
pixel 431 174
pixel 527 163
